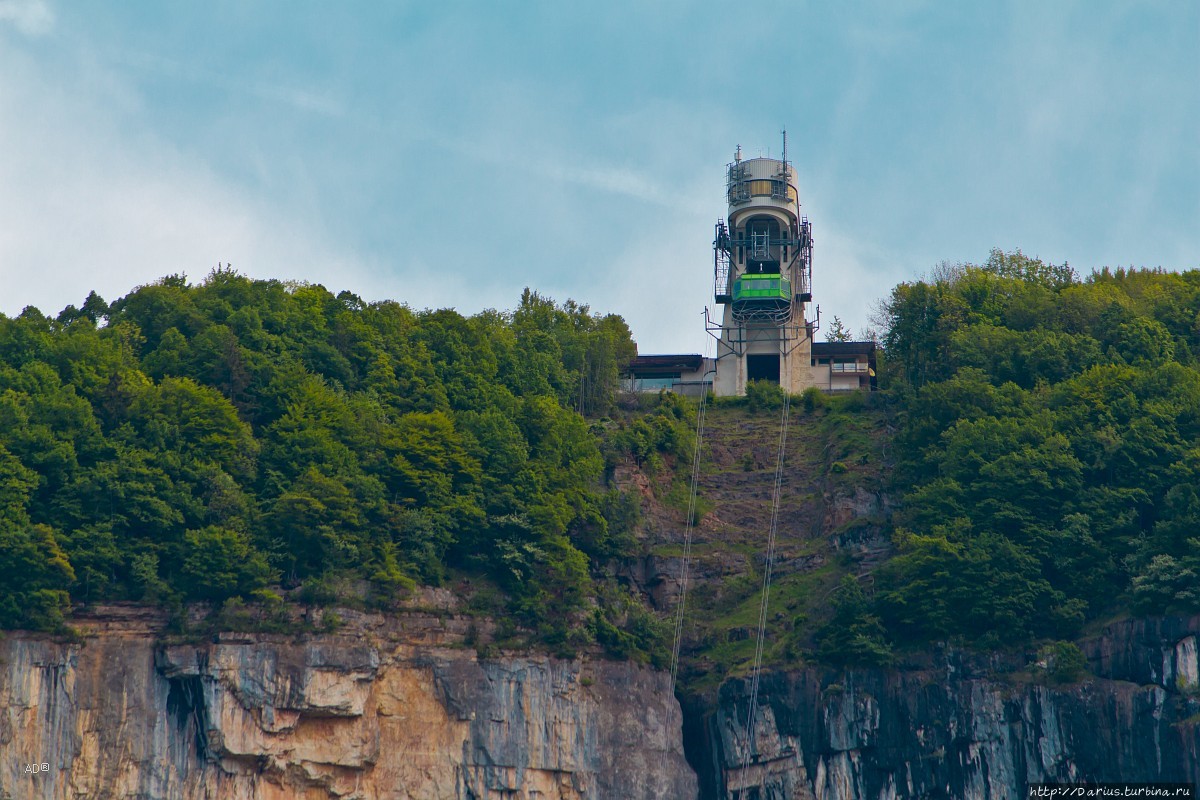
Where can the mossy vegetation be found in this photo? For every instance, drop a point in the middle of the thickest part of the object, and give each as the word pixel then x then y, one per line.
pixel 812 555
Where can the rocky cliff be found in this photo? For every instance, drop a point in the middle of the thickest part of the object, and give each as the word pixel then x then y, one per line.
pixel 962 727
pixel 393 709
pixel 398 708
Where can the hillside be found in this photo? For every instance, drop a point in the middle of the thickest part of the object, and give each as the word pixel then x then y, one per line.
pixel 253 441
pixel 1029 471
pixel 1027 476
pixel 984 571
pixel 832 522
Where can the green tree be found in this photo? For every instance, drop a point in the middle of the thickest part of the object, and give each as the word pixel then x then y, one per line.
pixel 854 636
pixel 219 563
pixel 318 523
pixel 38 575
pixel 982 589
pixel 1166 584
pixel 838 332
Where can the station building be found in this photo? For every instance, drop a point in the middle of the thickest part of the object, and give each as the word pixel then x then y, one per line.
pixel 762 282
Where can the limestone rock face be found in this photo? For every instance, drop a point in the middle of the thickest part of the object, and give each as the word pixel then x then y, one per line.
pixel 962 728
pixel 398 709
pixel 253 717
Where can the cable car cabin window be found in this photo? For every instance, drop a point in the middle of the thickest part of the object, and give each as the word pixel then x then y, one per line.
pixel 763 367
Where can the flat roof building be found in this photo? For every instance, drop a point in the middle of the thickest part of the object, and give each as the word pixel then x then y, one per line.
pixel 689 373
pixel 844 366
pixel 834 367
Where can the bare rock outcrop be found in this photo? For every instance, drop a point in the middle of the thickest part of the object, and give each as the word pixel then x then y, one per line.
pixel 967 727
pixel 363 717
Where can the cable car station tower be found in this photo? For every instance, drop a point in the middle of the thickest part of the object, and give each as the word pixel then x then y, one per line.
pixel 762 276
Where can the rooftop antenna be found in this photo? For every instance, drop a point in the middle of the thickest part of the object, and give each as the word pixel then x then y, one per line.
pixel 785 148
pixel 737 156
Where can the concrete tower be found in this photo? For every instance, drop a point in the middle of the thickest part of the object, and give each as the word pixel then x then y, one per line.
pixel 762 257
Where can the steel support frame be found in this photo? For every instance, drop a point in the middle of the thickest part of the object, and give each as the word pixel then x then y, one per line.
pixel 741 335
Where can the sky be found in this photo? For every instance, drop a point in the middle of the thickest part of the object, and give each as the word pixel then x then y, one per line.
pixel 449 154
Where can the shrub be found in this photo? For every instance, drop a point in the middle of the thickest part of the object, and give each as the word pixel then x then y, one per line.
pixel 1063 662
pixel 763 395
pixel 855 636
pixel 812 399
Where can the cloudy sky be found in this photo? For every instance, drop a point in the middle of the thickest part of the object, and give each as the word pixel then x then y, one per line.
pixel 451 153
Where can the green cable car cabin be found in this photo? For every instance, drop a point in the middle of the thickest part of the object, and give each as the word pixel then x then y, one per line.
pixel 761 291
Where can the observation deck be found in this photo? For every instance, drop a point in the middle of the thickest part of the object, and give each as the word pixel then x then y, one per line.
pixel 763 182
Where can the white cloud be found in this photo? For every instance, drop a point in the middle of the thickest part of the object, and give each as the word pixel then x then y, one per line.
pixel 31 17
pixel 92 200
pixel 300 99
pixel 637 183
pixel 660 284
pixel 851 275
pixel 618 180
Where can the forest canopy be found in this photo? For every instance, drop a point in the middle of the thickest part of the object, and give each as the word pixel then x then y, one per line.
pixel 1048 449
pixel 240 438
pixel 204 442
